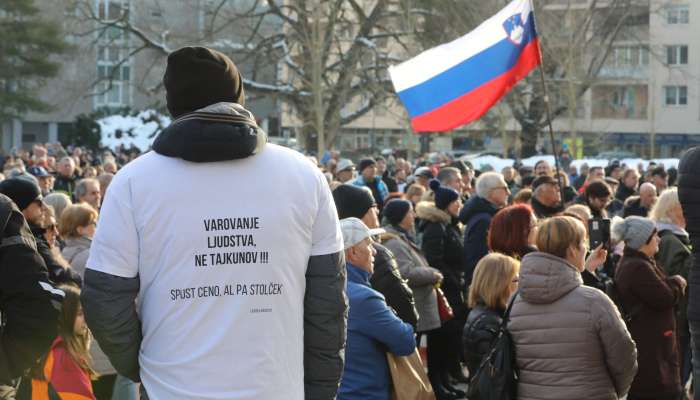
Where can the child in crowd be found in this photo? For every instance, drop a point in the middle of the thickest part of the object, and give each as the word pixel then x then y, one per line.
pixel 65 371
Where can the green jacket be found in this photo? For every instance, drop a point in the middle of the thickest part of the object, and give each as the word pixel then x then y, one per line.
pixel 676 258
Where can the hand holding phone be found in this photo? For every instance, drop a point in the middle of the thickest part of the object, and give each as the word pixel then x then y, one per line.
pixel 596 259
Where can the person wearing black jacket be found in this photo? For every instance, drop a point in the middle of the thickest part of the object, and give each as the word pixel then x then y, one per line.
pixel 27 196
pixel 28 303
pixel 491 195
pixel 358 202
pixel 495 280
pixel 628 186
pixel 443 249
pixel 689 196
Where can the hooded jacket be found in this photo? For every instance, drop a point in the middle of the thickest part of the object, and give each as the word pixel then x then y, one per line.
pixel 28 303
pixel 570 341
pixel 476 216
pixel 205 180
pixel 442 247
pixel 689 196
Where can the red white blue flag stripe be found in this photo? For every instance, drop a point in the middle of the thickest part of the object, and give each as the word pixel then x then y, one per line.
pixel 457 82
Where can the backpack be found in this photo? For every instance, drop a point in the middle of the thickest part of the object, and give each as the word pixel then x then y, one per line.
pixel 497 375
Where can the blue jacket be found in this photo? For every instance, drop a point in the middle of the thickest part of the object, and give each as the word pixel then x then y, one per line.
pixel 373 329
pixel 379 189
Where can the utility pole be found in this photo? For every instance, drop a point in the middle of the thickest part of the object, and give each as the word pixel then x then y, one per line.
pixel 316 79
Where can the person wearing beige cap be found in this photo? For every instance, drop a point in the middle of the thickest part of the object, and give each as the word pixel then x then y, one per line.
pixel 373 328
pixel 344 170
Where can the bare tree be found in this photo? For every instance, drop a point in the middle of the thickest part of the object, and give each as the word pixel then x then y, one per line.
pixel 323 60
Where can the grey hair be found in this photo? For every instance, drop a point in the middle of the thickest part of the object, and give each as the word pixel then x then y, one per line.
pixel 59 201
pixel 81 187
pixel 486 182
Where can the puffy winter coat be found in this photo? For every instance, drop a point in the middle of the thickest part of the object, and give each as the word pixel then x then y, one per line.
pixel 442 247
pixel 420 276
pixel 646 291
pixel 570 341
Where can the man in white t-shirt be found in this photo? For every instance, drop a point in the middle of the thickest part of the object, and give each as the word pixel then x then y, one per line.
pixel 239 296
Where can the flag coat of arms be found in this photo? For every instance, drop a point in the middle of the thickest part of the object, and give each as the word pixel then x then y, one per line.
pixel 457 82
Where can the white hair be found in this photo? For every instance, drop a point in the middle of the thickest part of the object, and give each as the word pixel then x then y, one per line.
pixel 666 202
pixel 488 181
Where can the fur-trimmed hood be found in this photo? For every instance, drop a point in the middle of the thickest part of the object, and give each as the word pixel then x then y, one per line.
pixel 427 211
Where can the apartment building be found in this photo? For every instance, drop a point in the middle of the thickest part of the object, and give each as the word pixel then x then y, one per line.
pixel 106 69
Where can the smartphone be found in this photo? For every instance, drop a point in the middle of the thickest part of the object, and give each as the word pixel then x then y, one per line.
pixel 598 233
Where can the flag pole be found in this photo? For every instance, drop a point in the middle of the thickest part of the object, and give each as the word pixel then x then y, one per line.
pixel 547 109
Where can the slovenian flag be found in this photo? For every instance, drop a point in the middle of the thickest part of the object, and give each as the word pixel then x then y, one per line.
pixel 456 83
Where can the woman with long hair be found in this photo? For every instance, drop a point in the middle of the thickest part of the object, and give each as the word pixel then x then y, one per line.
pixel 66 370
pixel 495 280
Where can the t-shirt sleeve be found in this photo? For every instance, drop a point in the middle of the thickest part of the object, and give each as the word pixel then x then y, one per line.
pixel 115 247
pixel 326 237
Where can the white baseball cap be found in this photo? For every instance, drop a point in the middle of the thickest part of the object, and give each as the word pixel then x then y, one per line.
pixel 344 164
pixel 355 231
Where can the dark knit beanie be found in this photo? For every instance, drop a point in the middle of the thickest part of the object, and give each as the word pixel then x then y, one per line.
pixel 352 201
pixel 364 163
pixel 197 77
pixel 395 210
pixel 22 191
pixel 443 195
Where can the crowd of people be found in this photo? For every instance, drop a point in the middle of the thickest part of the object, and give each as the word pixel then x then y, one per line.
pixel 363 262
pixel 480 236
pixel 59 193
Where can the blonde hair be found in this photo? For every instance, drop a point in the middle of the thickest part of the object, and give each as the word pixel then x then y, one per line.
pixel 557 234
pixel 523 196
pixel 581 211
pixel 75 216
pixel 491 282
pixel 414 190
pixel 663 206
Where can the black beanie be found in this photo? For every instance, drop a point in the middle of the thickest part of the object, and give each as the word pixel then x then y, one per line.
pixel 443 195
pixel 196 77
pixel 364 163
pixel 395 210
pixel 22 191
pixel 352 201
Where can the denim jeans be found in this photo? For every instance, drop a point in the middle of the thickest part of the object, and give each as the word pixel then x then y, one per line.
pixel 125 389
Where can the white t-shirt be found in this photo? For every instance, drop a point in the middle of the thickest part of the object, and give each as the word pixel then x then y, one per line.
pixel 221 250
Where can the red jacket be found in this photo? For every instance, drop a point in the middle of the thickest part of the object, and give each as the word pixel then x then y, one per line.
pixel 64 377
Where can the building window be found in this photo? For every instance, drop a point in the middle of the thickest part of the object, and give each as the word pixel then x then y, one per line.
pixel 114 74
pixel 677 55
pixel 676 95
pixel 629 56
pixel 677 14
pixel 110 11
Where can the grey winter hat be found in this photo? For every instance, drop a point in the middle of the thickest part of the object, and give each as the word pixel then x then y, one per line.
pixel 634 231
